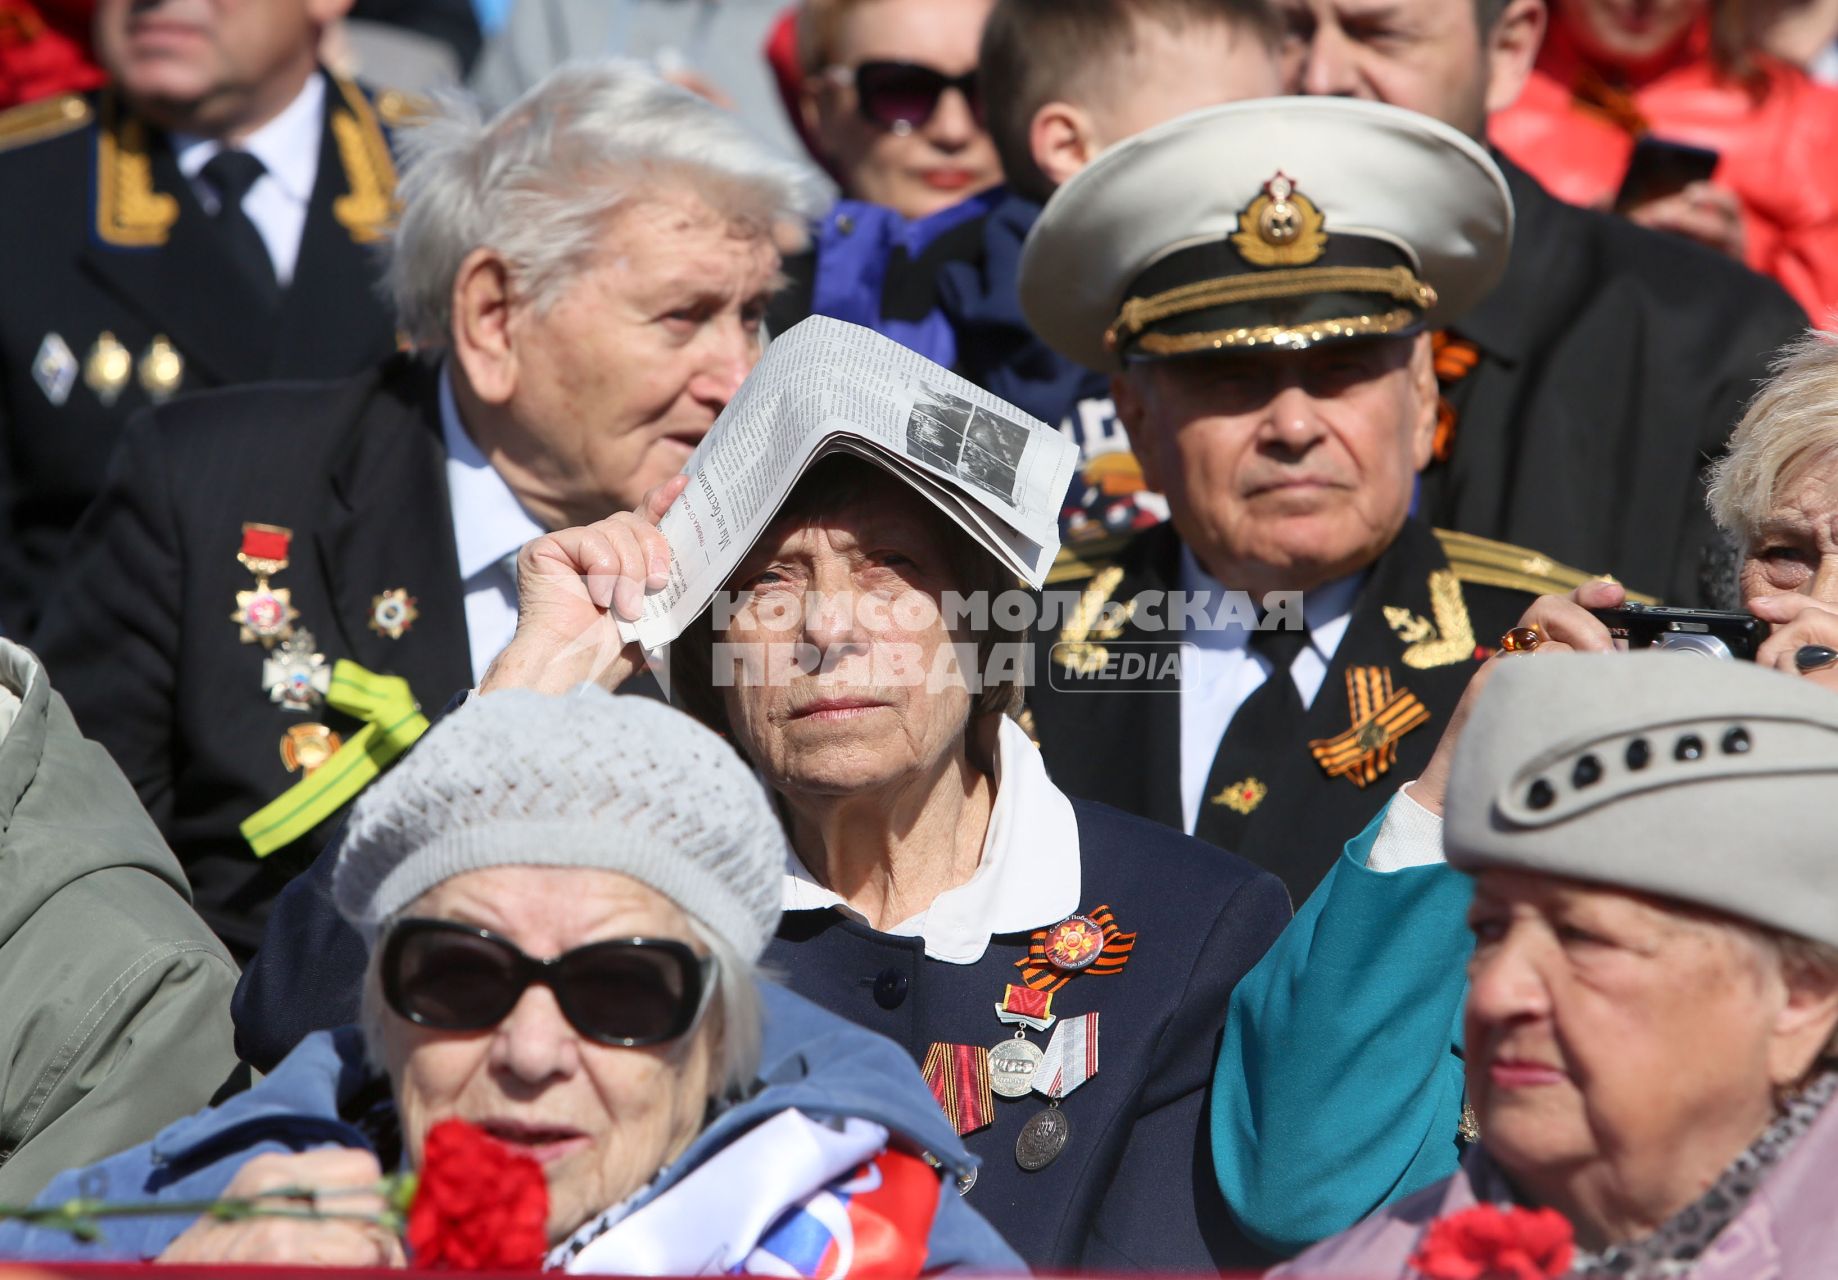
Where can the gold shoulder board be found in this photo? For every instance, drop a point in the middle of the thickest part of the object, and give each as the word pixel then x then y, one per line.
pixel 1501 564
pixel 397 108
pixel 36 121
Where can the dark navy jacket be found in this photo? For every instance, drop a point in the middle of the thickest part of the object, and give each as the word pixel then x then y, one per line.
pixel 1134 1188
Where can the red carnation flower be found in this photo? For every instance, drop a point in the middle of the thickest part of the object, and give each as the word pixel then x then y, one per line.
pixel 1491 1243
pixel 479 1206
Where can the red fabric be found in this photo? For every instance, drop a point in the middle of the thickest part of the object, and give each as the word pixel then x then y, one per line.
pixel 1490 1243
pixel 44 50
pixel 1777 148
pixel 891 1224
pixel 781 54
pixel 479 1206
pixel 265 544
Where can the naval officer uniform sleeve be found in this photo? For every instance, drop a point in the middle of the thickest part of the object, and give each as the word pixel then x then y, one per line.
pixel 109 638
pixel 1339 1085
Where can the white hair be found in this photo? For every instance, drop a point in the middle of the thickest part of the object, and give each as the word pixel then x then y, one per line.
pixel 537 182
pixel 1791 423
pixel 734 1007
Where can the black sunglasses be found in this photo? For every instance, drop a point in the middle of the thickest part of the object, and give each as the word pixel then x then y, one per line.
pixel 625 991
pixel 901 96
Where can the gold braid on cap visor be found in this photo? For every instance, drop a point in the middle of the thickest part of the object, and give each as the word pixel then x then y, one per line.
pixel 1138 314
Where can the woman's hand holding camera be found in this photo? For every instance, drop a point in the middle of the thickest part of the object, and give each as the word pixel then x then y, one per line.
pixel 1804 639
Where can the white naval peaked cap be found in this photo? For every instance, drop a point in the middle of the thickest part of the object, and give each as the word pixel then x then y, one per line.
pixel 1273 222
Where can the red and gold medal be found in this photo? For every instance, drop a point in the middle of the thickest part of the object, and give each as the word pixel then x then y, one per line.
pixel 266 614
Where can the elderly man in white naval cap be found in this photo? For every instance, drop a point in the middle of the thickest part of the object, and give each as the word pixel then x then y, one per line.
pixel 1262 280
pixel 1652 1006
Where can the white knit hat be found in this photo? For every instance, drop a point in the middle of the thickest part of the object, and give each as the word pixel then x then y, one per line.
pixel 624 784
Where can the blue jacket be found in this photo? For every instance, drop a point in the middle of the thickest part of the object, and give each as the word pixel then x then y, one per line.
pixel 946 286
pixel 811 1060
pixel 1339 1086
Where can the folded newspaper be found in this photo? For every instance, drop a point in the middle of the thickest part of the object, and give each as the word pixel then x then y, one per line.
pixel 826 386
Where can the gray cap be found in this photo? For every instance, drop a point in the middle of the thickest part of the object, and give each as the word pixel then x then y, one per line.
pixel 1707 781
pixel 1276 222
pixel 623 784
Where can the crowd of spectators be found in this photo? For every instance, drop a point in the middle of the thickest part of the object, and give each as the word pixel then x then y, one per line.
pixel 352 353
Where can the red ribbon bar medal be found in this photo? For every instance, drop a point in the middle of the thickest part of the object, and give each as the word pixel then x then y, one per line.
pixel 959 1077
pixel 1024 1006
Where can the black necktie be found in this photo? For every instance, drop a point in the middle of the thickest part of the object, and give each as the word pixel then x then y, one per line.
pixel 231 173
pixel 1262 732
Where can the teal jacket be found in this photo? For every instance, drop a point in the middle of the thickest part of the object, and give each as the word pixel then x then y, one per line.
pixel 1339 1084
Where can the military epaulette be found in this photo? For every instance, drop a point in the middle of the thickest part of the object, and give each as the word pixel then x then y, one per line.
pixel 36 121
pixel 1487 563
pixel 396 108
pixel 1076 563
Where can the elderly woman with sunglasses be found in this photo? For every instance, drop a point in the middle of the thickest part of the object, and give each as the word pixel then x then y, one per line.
pixel 565 899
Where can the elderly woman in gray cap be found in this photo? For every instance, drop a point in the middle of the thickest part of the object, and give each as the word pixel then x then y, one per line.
pixel 1654 984
pixel 564 900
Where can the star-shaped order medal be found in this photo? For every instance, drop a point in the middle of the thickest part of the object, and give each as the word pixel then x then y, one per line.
pixel 393 612
pixel 265 614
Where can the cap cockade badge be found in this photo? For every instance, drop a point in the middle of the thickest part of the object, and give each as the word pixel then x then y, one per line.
pixel 1281 228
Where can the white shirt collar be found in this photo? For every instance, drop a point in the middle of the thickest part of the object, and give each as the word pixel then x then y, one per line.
pixel 287 146
pixel 1029 876
pixel 1327 609
pixel 489 524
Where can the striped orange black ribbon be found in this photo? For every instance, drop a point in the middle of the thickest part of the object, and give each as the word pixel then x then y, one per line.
pixel 1380 717
pixel 959 1076
pixel 1038 972
pixel 1454 359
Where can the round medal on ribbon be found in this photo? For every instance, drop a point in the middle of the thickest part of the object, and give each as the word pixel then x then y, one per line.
pixel 1011 1068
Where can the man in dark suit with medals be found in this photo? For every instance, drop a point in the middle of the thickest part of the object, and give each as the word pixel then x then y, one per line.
pixel 1591 388
pixel 1265 669
pixel 273 578
pixel 209 219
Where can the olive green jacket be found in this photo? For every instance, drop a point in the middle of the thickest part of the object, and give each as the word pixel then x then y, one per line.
pixel 114 995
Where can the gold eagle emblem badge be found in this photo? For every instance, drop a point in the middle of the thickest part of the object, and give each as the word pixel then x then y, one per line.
pixel 1281 228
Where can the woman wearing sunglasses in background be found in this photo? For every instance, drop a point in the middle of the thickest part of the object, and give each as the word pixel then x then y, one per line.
pixel 889 104
pixel 890 98
pixel 564 900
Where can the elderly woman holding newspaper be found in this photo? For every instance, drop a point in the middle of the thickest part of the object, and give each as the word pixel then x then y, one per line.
pixel 1058 970
pixel 564 900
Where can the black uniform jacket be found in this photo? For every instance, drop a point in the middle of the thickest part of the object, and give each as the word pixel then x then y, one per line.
pixel 105 236
pixel 1431 608
pixel 1133 1189
pixel 139 635
pixel 1614 362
